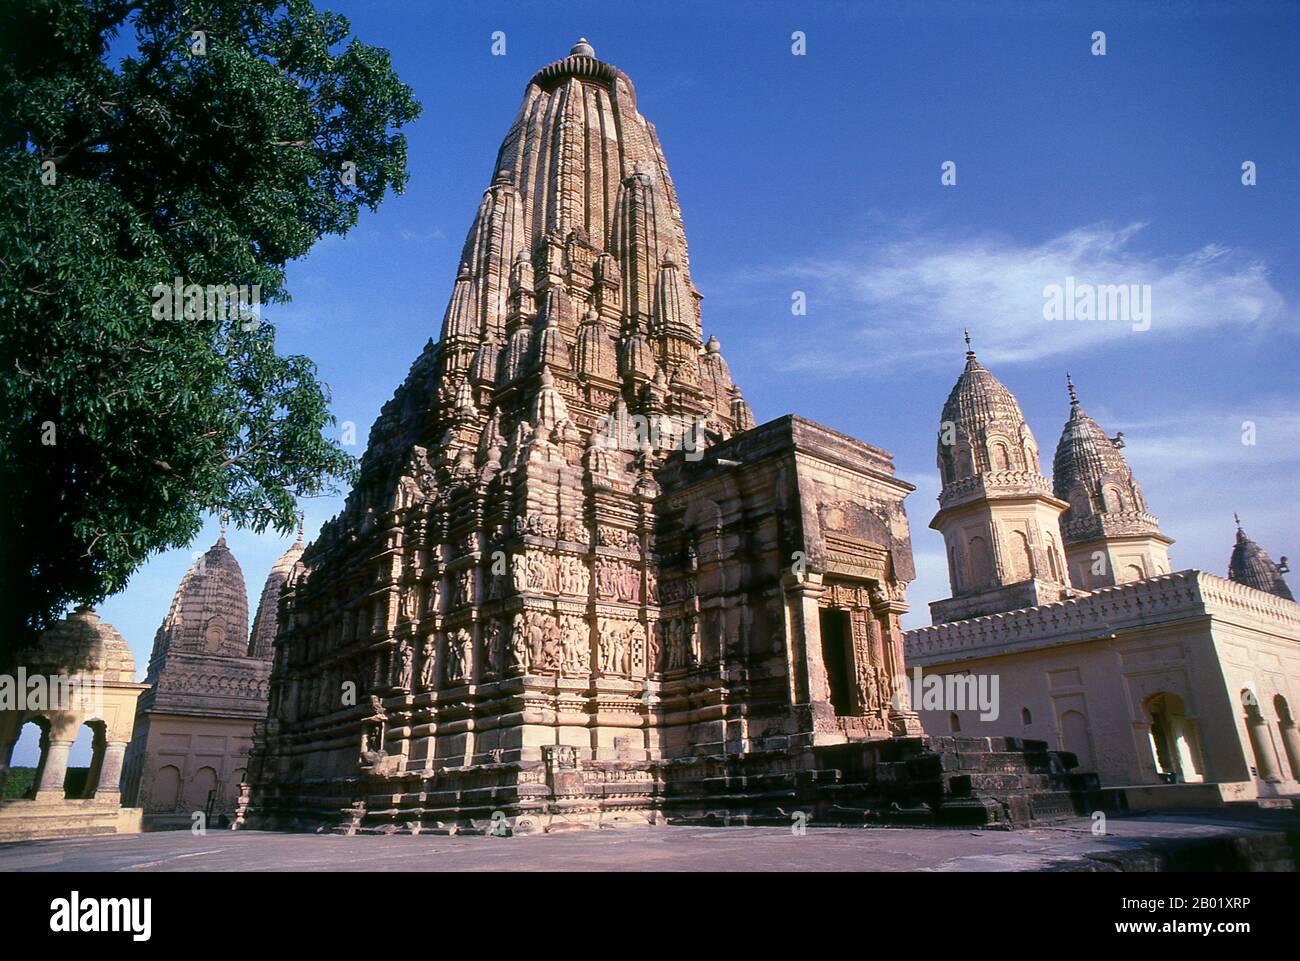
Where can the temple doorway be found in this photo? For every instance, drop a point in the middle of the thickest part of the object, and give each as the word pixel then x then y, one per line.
pixel 837 657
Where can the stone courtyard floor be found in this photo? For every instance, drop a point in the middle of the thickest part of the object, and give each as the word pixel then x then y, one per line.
pixel 1171 840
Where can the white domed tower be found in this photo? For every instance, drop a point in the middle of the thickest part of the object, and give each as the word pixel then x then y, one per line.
pixel 1109 537
pixel 999 518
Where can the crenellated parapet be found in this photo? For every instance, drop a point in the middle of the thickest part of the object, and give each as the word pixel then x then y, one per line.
pixel 1137 606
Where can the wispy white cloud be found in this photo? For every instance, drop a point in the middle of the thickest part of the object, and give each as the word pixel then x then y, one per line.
pixel 908 299
pixel 1249 437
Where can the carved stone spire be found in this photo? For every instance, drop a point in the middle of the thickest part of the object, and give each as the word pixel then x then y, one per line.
pixel 1251 565
pixel 209 612
pixel 262 638
pixel 1109 536
pixel 997 513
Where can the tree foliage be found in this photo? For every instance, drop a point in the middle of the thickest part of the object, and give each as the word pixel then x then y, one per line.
pixel 141 142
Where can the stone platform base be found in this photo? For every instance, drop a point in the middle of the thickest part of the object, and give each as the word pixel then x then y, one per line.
pixel 1157 797
pixel 31 820
pixel 940 781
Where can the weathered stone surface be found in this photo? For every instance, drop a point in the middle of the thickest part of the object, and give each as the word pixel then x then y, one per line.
pixel 574 582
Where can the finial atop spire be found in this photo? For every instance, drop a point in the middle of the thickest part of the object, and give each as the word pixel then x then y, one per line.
pixel 1236 519
pixel 1069 385
pixel 582 49
pixel 302 519
pixel 966 331
pixel 225 519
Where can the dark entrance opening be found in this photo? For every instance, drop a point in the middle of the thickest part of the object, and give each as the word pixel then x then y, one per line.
pixel 836 635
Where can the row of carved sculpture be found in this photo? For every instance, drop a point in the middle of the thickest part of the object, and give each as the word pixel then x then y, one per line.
pixel 534 572
pixel 529 642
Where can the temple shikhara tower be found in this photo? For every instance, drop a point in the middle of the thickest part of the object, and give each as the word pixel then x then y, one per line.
pixel 574 582
pixel 1109 537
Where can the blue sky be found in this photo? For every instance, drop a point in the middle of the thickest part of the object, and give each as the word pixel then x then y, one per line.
pixel 821 173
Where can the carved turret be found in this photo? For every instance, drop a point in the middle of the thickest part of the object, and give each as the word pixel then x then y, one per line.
pixel 209 612
pixel 1109 537
pixel 999 519
pixel 1251 565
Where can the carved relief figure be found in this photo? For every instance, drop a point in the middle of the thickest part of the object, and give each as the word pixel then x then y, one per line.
pixel 410 605
pixel 552 647
pixel 654 648
pixel 494 644
pixel 618 580
pixel 683 643
pixel 536 627
pixel 426 664
pixel 519 571
pixel 575 646
pixel 406 672
pixel 519 644
pixel 458 642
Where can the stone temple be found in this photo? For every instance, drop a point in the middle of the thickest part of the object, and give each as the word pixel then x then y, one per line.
pixel 208 679
pixel 1176 688
pixel 574 583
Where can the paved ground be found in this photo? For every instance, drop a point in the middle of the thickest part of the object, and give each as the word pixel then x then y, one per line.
pixel 656 849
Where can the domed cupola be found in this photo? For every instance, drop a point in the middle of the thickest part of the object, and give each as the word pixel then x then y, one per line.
pixel 82 644
pixel 209 613
pixel 1251 565
pixel 262 639
pixel 1109 536
pixel 997 514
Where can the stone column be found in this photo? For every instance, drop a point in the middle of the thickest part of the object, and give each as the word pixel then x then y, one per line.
pixel 110 771
pixel 1181 729
pixel 96 767
pixel 888 606
pixel 1148 767
pixel 1262 745
pixel 50 787
pixel 809 674
pixel 861 666
pixel 1291 744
